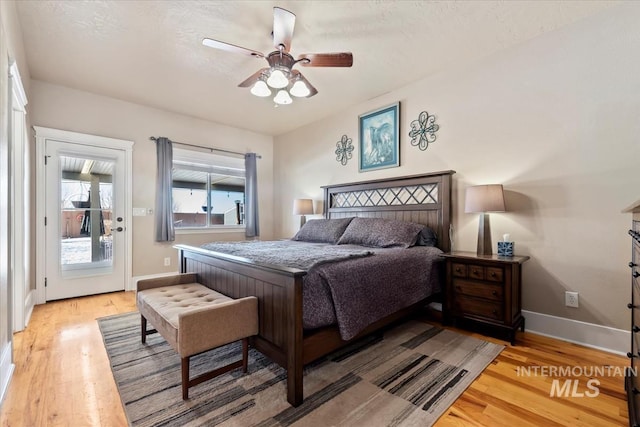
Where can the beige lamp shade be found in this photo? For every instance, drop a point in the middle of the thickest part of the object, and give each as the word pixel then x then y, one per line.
pixel 303 207
pixel 484 198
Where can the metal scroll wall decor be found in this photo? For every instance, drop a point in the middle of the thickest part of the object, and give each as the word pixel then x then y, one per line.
pixel 423 130
pixel 344 150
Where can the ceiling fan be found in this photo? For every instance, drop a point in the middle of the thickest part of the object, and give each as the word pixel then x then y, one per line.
pixel 279 74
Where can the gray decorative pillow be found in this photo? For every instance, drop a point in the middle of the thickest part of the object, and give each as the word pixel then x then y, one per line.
pixel 427 237
pixel 381 233
pixel 322 230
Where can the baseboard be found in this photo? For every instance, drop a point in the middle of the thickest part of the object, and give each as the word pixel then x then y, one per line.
pixel 6 370
pixel 134 281
pixel 591 335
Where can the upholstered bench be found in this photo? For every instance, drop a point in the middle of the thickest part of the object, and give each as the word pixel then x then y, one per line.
pixel 193 319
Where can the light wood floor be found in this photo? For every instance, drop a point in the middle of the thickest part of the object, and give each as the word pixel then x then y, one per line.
pixel 63 377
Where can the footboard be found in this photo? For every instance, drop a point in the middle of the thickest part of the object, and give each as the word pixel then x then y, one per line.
pixel 279 292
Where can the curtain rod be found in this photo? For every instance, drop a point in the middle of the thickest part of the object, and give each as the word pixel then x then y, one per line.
pixel 153 138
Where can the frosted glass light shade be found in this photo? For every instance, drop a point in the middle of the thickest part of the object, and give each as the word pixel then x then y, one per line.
pixel 260 89
pixel 484 198
pixel 277 80
pixel 300 89
pixel 282 98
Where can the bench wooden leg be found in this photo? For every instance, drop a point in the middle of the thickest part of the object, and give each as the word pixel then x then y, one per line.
pixel 187 382
pixel 143 330
pixel 185 378
pixel 245 354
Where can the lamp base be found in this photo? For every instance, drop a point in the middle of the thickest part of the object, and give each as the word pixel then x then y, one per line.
pixel 484 235
pixel 303 220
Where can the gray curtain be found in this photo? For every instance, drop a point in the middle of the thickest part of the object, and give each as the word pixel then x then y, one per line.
pixel 164 204
pixel 251 221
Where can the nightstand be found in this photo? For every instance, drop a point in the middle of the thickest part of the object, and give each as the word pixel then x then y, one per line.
pixel 485 290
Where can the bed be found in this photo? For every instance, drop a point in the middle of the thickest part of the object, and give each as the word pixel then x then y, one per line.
pixel 421 199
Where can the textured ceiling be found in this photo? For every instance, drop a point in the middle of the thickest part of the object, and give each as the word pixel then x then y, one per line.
pixel 150 52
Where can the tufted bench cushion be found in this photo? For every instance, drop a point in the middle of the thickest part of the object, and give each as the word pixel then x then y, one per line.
pixel 193 318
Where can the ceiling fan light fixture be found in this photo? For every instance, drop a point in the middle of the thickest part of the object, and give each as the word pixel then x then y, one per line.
pixel 280 76
pixel 260 89
pixel 282 98
pixel 299 89
pixel 277 79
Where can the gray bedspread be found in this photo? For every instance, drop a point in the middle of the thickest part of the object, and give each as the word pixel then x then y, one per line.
pixel 359 286
pixel 358 292
pixel 289 253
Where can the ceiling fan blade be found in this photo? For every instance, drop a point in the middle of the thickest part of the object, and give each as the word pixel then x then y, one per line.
pixel 231 48
pixel 253 78
pixel 342 59
pixel 283 23
pixel 312 90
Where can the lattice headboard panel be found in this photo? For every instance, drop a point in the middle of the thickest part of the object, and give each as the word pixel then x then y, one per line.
pixel 392 196
pixel 424 199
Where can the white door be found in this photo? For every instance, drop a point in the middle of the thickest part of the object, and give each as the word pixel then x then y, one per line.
pixel 85 224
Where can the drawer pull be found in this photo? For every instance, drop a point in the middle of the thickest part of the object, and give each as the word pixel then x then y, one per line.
pixel 495 311
pixel 458 270
pixel 635 391
pixel 630 306
pixel 494 293
pixel 632 264
pixel 636 274
pixel 492 274
pixel 631 355
pixel 635 328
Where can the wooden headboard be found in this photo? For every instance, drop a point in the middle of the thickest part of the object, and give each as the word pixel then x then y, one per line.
pixel 423 199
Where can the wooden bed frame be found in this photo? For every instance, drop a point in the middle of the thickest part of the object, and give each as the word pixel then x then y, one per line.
pixel 424 199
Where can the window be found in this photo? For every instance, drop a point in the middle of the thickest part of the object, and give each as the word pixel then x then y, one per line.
pixel 208 190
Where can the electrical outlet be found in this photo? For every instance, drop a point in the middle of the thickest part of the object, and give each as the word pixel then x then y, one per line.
pixel 167 261
pixel 571 299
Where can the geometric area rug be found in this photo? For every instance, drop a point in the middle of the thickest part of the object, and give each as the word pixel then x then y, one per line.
pixel 407 376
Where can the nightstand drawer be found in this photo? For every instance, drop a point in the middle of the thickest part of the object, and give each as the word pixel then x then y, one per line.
pixel 482 290
pixel 459 270
pixel 477 307
pixel 478 272
pixel 494 274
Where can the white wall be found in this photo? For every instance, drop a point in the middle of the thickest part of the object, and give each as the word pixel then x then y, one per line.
pixel 63 108
pixel 555 120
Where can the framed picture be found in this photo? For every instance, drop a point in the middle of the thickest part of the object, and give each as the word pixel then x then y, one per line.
pixel 380 138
